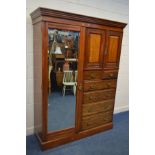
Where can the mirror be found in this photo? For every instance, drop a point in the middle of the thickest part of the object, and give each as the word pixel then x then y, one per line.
pixel 62 78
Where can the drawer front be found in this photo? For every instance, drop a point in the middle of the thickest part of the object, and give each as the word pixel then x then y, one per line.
pixel 92 75
pixel 93 108
pixel 98 85
pixel 96 120
pixel 110 74
pixel 100 95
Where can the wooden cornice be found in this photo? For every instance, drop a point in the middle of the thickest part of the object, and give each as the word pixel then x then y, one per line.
pixel 72 16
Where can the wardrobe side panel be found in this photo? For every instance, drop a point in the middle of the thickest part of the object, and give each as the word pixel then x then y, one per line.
pixel 37 46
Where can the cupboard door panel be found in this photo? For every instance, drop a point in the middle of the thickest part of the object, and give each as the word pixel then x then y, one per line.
pixel 112 54
pixel 95 42
pixel 113 47
pixel 94 48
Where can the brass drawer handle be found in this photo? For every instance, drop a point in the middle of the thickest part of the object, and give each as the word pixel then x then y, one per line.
pixel 88 124
pixel 108 85
pixel 111 74
pixel 95 98
pixel 106 95
pixel 92 98
pixel 92 76
pixel 109 107
pixel 92 87
pixel 90 110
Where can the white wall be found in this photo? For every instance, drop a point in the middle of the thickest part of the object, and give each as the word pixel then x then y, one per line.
pixel 116 10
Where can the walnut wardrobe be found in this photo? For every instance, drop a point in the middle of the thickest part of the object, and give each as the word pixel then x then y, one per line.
pixel 76 62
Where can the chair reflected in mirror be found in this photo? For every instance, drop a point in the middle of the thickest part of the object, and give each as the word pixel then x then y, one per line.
pixel 69 81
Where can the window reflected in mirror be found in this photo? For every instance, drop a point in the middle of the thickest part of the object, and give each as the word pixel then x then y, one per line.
pixel 62 78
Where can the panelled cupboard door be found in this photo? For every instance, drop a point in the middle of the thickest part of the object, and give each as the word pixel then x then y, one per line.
pixel 113 49
pixel 94 49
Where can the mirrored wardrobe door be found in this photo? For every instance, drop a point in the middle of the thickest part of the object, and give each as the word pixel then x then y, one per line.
pixel 63 49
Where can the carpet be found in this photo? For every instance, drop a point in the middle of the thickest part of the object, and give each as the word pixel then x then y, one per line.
pixel 111 142
pixel 61 111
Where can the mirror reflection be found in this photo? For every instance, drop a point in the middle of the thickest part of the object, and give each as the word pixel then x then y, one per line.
pixel 62 70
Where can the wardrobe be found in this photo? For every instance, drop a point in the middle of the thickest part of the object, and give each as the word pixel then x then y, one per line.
pixel 76 63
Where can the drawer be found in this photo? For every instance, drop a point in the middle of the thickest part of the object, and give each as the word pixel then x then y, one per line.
pixel 92 75
pixel 100 95
pixel 110 74
pixel 98 85
pixel 96 120
pixel 93 108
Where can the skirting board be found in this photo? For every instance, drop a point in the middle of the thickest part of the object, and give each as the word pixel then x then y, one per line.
pixel 121 109
pixel 30 131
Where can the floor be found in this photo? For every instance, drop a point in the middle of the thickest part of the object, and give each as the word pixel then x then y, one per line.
pixel 111 142
pixel 61 110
